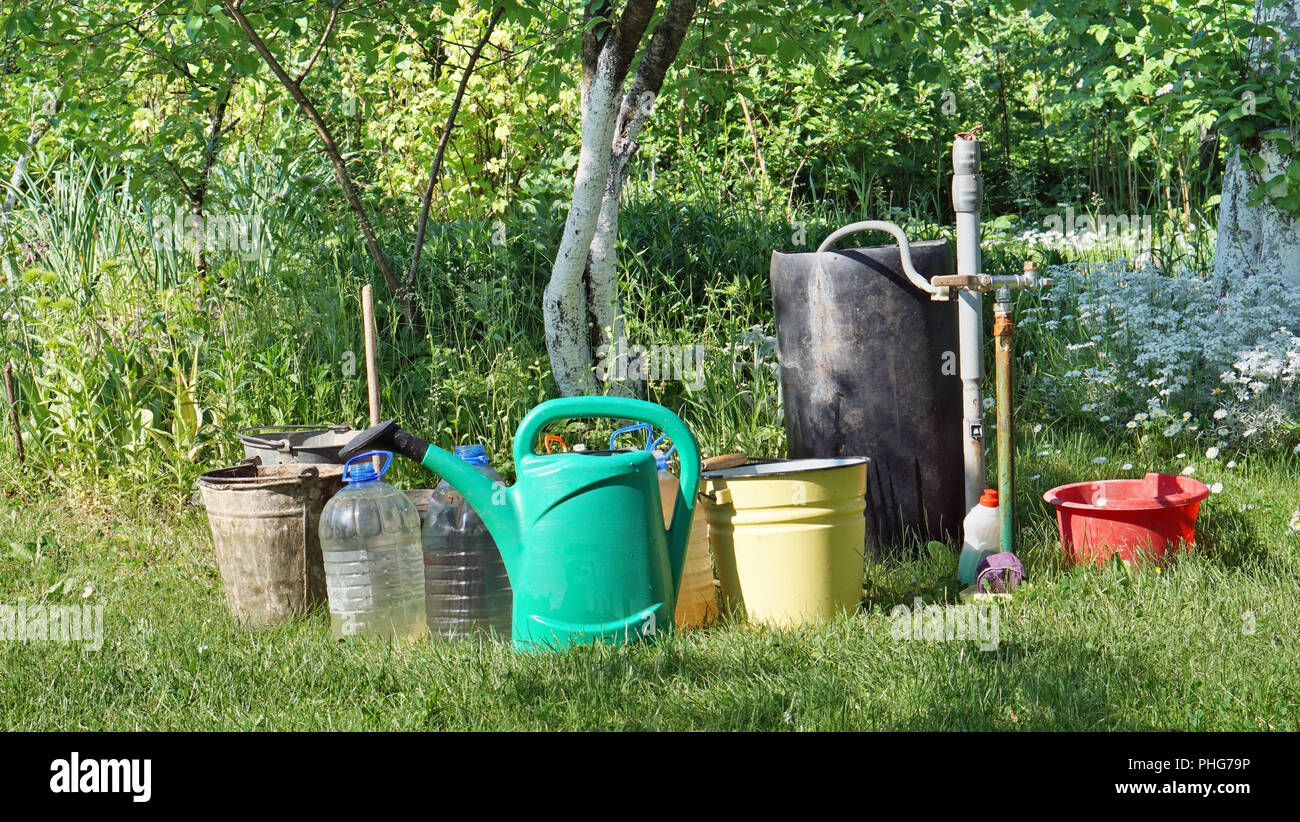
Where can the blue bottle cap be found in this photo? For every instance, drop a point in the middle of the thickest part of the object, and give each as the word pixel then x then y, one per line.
pixel 365 472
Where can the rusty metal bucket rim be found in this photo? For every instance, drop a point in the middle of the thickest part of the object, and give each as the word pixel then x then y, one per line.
pixel 227 478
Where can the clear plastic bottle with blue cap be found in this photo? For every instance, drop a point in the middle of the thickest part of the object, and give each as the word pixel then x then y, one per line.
pixel 370 543
pixel 467 591
pixel 668 482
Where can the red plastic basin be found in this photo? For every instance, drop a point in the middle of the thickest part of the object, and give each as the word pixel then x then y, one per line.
pixel 1131 517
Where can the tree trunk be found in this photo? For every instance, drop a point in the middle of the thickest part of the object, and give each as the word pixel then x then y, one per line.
pixel 1254 239
pixel 1258 239
pixel 564 304
pixel 606 325
pixel 581 304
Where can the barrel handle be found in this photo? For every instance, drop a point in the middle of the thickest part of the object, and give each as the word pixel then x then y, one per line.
pixel 904 252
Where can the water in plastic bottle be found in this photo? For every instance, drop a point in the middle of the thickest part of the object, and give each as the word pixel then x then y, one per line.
pixel 980 536
pixel 467 591
pixel 370 542
pixel 668 485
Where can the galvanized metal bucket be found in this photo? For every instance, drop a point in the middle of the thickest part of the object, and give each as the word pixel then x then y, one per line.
pixel 265 528
pixel 284 444
pixel 788 537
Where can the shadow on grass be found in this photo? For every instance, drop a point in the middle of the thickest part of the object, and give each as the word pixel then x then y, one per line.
pixel 1043 685
pixel 1232 540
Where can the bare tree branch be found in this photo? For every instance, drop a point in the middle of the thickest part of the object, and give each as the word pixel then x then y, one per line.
pixel 324 38
pixel 233 8
pixel 434 172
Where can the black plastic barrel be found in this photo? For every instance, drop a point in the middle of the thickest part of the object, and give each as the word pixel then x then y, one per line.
pixel 869 367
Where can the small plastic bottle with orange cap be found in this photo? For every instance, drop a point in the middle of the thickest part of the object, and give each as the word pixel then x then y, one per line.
pixel 980 536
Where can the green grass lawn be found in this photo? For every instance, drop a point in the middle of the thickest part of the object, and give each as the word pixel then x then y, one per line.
pixel 1208 642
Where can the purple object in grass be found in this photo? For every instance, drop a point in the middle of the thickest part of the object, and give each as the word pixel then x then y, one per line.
pixel 999 573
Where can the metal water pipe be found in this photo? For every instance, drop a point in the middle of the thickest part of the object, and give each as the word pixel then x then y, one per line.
pixel 967 199
pixel 1003 337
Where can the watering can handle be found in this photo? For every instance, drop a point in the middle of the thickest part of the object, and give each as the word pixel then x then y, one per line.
pixel 555 438
pixel 904 252
pixel 627 408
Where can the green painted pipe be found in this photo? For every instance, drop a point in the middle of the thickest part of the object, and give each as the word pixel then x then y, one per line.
pixel 1003 334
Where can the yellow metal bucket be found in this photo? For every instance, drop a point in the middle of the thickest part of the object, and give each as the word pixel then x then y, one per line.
pixel 787 537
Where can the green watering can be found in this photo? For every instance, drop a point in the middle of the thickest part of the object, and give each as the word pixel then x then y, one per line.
pixel 581 532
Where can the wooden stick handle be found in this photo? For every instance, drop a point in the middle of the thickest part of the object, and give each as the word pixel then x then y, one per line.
pixel 724 461
pixel 372 358
pixel 372 364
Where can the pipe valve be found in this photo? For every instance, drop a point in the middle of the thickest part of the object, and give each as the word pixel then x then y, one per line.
pixel 995 282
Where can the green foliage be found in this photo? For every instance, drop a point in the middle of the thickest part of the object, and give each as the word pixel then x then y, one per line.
pixel 778 121
pixel 1183 71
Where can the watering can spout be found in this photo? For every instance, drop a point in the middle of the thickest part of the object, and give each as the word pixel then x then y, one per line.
pixel 489 498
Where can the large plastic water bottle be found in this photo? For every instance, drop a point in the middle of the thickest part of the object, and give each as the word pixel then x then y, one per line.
pixel 981 536
pixel 466 588
pixel 668 485
pixel 370 541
